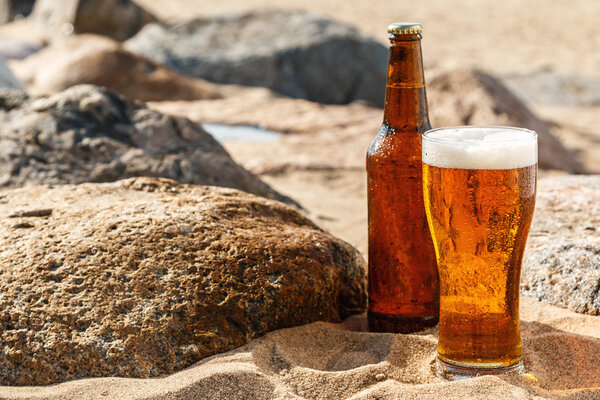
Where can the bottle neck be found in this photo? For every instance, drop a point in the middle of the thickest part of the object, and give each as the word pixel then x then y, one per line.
pixel 405 99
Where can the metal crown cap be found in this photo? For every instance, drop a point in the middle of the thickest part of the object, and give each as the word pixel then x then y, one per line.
pixel 405 28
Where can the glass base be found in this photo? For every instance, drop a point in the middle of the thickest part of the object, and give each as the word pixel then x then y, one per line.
pixel 386 323
pixel 453 372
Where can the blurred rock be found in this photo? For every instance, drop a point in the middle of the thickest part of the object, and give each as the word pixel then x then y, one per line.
pixel 562 260
pixel 577 128
pixel 551 88
pixel 146 276
pixel 11 9
pixel 118 19
pixel 87 134
pixel 475 98
pixel 7 79
pixel 316 136
pixel 295 53
pixel 332 136
pixel 102 61
pixel 17 49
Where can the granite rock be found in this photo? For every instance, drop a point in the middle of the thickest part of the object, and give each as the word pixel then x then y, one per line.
pixel 101 61
pixel 88 134
pixel 295 53
pixel 118 19
pixel 144 277
pixel 562 259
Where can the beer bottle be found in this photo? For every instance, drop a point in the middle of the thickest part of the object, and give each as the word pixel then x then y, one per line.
pixel 403 277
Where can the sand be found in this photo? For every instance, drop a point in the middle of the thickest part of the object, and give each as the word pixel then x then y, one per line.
pixel 341 361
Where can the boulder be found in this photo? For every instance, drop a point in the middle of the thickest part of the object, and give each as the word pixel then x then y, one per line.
pixel 464 97
pixel 88 134
pixel 146 276
pixel 295 53
pixel 7 78
pixel 11 9
pixel 118 19
pixel 562 260
pixel 103 62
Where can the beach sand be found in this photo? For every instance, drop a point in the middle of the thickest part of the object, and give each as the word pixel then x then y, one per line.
pixel 341 361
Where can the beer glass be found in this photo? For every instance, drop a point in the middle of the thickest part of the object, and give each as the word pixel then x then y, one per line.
pixel 479 186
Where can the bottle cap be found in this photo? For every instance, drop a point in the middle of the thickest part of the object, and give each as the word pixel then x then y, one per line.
pixel 405 28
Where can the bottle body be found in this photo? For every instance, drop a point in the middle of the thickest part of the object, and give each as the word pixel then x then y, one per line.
pixel 403 277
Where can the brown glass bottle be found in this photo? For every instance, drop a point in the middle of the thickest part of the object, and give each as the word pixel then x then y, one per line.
pixel 403 277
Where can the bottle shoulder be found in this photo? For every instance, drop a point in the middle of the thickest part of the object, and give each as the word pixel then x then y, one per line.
pixel 390 139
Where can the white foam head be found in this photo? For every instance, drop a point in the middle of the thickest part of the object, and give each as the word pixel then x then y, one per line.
pixel 472 147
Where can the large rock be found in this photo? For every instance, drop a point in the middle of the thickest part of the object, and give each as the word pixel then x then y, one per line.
pixel 146 276
pixel 562 261
pixel 292 52
pixel 10 9
pixel 464 97
pixel 88 134
pixel 103 62
pixel 118 19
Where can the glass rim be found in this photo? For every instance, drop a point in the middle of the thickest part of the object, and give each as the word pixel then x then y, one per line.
pixel 426 135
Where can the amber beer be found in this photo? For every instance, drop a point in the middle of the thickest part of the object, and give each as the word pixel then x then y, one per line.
pixel 479 189
pixel 403 281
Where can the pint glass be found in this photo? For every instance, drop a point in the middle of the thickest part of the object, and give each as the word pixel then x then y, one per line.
pixel 479 187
